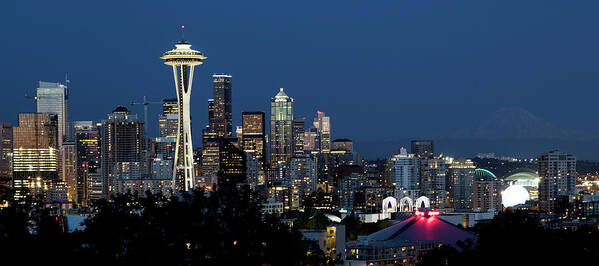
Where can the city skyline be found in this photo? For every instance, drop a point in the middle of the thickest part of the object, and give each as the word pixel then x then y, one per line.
pixel 414 72
pixel 318 133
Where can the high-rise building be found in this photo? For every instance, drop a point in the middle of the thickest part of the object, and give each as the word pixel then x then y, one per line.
pixel 281 133
pixel 348 186
pixel 311 140
pixel 253 171
pixel 35 154
pixel 232 163
pixel 239 133
pixel 302 174
pixel 433 181
pixel 68 154
pixel 168 126
pixel 299 127
pixel 486 191
pixel 557 174
pixel 423 148
pixel 170 107
pixel 210 157
pixel 402 171
pixel 323 124
pixel 223 118
pixel 165 147
pixel 343 145
pixel 208 133
pixel 53 98
pixel 461 176
pixel 5 156
pixel 183 60
pixel 254 137
pixel 87 144
pixel 122 147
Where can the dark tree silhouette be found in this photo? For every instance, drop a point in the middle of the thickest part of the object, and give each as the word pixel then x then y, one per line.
pixel 517 238
pixel 224 227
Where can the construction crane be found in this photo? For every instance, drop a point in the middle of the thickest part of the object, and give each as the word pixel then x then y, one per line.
pixel 145 103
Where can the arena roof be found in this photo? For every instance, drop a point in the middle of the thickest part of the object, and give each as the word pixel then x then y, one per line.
pixel 424 228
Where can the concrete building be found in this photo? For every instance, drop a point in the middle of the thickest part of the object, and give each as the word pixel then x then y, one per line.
pixel 254 136
pixel 232 163
pixel 330 240
pixel 122 146
pixel 162 169
pixel 423 148
pixel 433 181
pixel 210 158
pixel 87 144
pixel 5 156
pixel 348 187
pixel 343 145
pixel 302 175
pixel 68 154
pixel 486 191
pixel 461 176
pixel 299 127
pixel 222 123
pixel 557 173
pixel 322 124
pixel 402 171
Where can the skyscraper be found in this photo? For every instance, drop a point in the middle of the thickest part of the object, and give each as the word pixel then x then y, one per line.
pixel 402 171
pixel 183 60
pixel 254 137
pixel 168 121
pixel 461 176
pixel 170 107
pixel 323 124
pixel 87 144
pixel 122 146
pixel 223 118
pixel 68 154
pixel 311 140
pixel 299 128
pixel 281 134
pixel 433 181
pixel 53 98
pixel 345 145
pixel 486 191
pixel 208 133
pixel 232 163
pixel 423 148
pixel 5 155
pixel 302 174
pixel 557 174
pixel 168 125
pixel 35 153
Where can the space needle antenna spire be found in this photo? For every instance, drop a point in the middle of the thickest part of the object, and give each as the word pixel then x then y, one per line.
pixel 182 33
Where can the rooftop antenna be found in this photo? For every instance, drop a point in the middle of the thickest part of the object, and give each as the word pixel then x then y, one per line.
pixel 182 33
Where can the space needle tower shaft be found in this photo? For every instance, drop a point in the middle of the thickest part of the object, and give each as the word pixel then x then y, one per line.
pixel 183 60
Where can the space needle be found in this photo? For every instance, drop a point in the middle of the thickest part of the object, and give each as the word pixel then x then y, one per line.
pixel 183 60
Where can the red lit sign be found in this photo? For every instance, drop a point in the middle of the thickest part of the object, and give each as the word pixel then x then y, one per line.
pixel 427 213
pixel 433 213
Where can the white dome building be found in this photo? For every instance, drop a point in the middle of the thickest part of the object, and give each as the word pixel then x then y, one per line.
pixel 514 195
